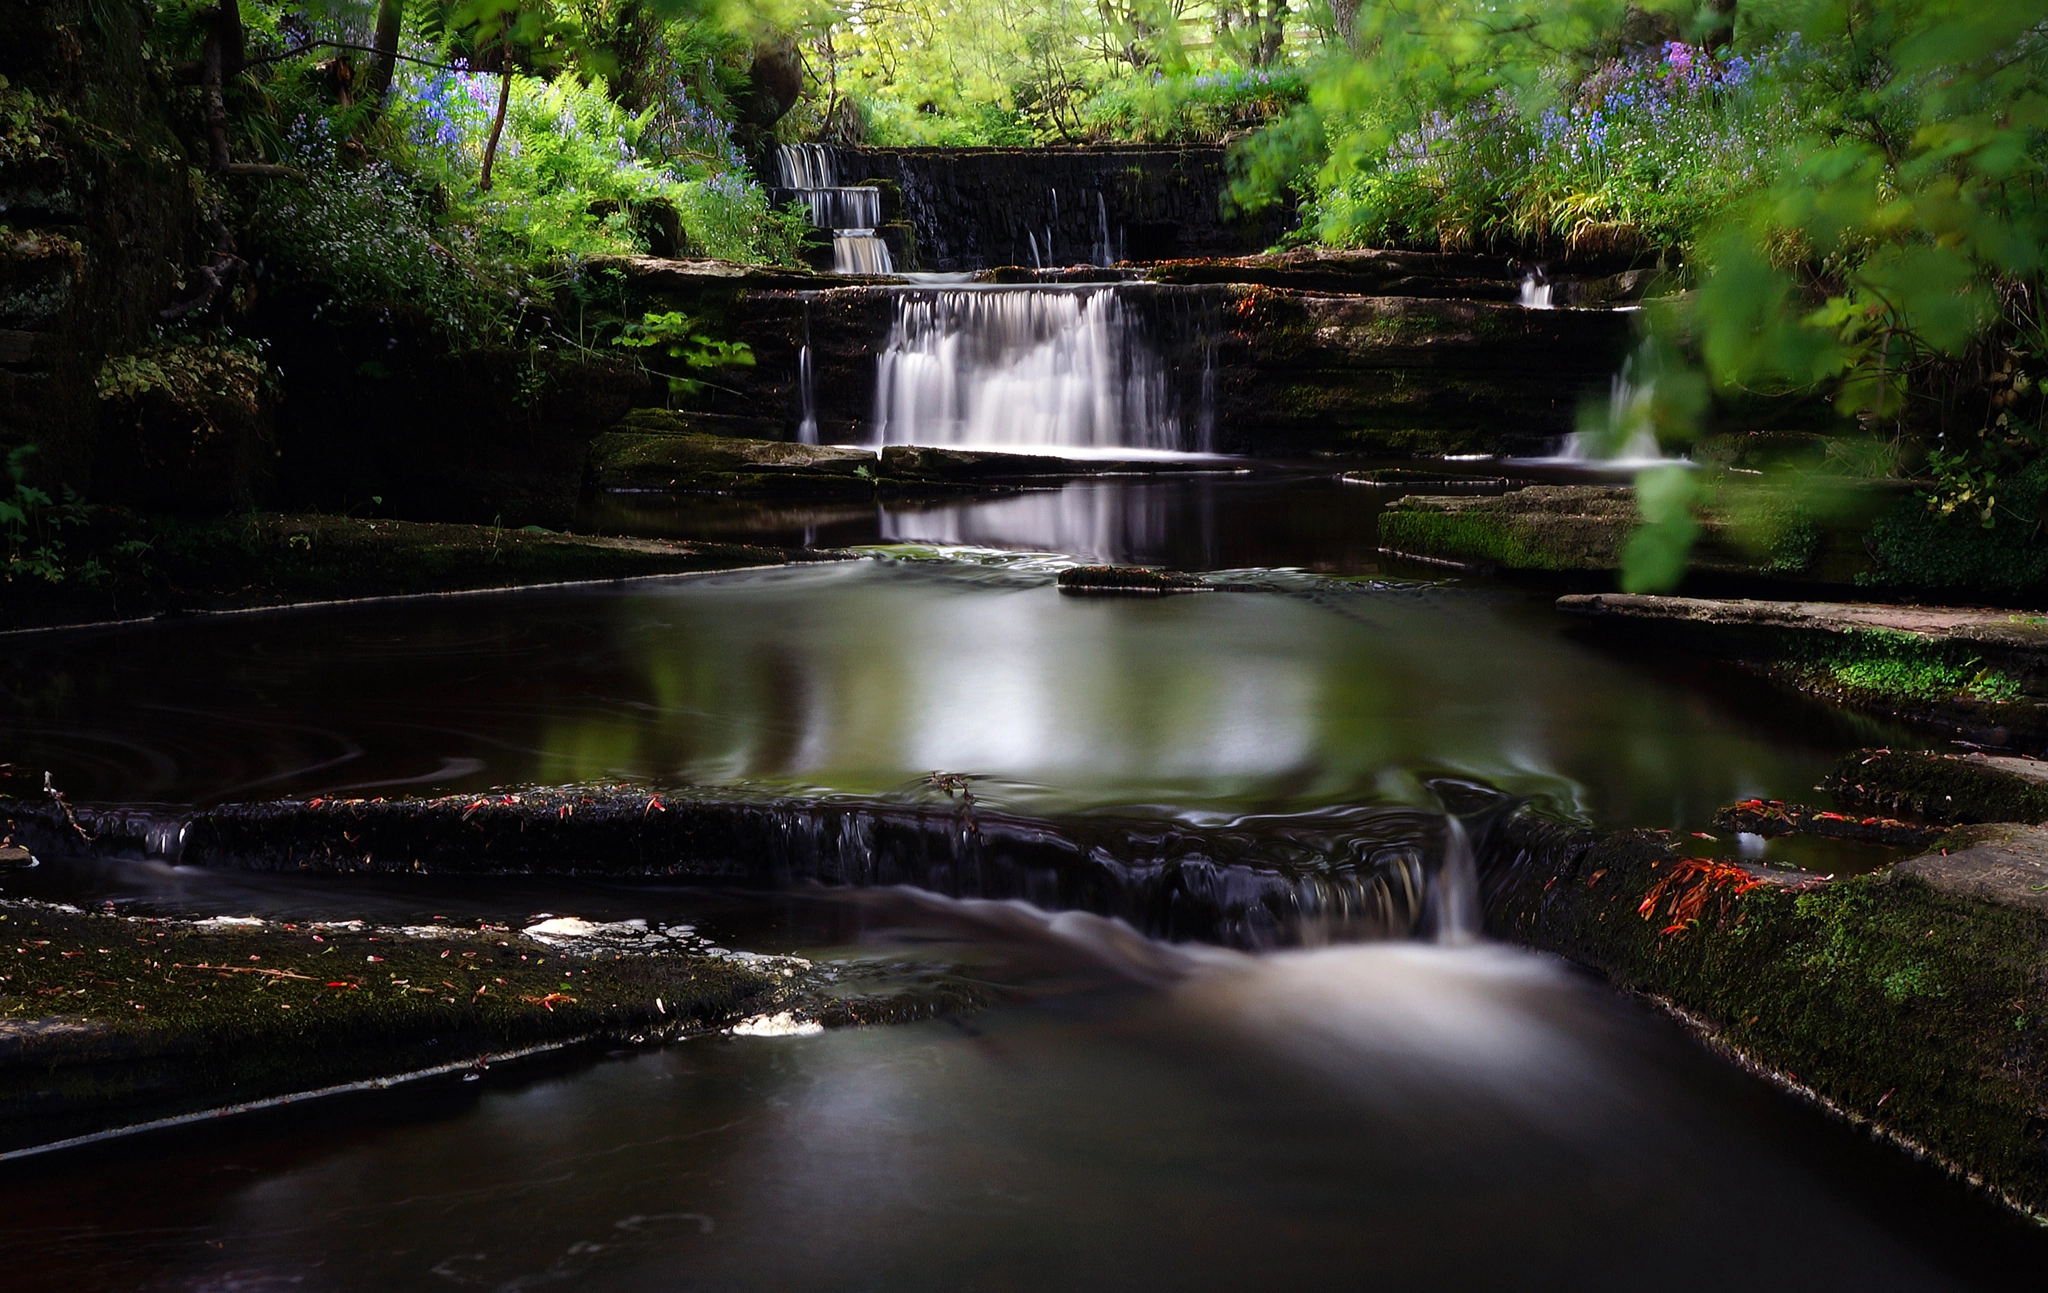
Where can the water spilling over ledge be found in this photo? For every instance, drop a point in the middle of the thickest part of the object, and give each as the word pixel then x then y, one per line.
pixel 1251 881
pixel 1031 369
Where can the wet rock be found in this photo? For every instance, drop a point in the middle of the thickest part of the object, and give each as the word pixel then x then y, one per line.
pixel 672 422
pixel 109 1021
pixel 1252 881
pixel 2004 863
pixel 1981 674
pixel 691 460
pixel 908 464
pixel 13 855
pixel 268 559
pixel 1771 818
pixel 1942 787
pixel 1127 581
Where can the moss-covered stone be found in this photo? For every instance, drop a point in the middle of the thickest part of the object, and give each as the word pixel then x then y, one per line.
pixel 1543 527
pixel 106 1020
pixel 1901 1003
pixel 269 559
pixel 1984 673
pixel 1960 788
pixel 694 461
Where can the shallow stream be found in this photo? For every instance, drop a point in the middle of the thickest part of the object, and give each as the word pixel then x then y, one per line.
pixel 1133 1114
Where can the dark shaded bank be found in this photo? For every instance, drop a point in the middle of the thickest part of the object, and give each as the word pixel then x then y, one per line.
pixel 1907 1000
pixel 110 1021
pixel 1976 672
pixel 1254 881
pixel 171 565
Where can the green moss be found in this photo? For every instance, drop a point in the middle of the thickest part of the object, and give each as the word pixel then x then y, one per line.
pixel 1462 536
pixel 1899 1003
pixel 162 1015
pixel 1939 787
pixel 1898 668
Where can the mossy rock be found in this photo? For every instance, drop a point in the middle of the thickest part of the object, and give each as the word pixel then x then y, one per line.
pixel 1907 1002
pixel 163 1017
pixel 691 461
pixel 1543 527
pixel 1941 787
pixel 672 422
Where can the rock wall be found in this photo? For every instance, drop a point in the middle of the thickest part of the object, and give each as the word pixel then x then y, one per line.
pixel 973 208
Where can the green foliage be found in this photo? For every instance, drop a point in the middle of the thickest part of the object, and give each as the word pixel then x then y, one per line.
pixel 32 525
pixel 1855 185
pixel 1899 668
pixel 1205 106
pixel 364 235
pixel 676 335
pixel 1923 543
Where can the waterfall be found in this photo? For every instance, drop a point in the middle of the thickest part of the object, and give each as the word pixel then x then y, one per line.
pixel 1457 887
pixel 1537 292
pixel 1032 369
pixel 807 430
pixel 851 212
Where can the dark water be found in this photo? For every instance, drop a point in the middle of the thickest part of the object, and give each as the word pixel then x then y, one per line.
pixel 865 676
pixel 1396 1116
pixel 1221 520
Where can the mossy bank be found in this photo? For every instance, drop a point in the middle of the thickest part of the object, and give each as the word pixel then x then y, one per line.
pixel 1909 999
pixel 134 567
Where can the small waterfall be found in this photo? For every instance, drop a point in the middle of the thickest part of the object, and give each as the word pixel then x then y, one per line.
pixel 1457 888
pixel 1035 369
pixel 1624 436
pixel 1537 291
pixel 807 429
pixel 1105 251
pixel 851 212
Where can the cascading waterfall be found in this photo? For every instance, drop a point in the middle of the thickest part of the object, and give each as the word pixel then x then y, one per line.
pixel 851 212
pixel 1033 369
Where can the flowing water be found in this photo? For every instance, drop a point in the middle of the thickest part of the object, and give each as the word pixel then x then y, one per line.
pixel 1445 1114
pixel 1027 370
pixel 850 213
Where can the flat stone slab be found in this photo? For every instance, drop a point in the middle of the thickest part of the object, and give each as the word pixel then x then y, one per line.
pixel 2007 865
pixel 2005 628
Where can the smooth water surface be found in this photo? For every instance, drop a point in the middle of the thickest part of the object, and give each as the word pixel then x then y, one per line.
pixel 866 676
pixel 1391 1116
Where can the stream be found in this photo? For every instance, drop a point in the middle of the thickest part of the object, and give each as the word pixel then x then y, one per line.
pixel 1133 1113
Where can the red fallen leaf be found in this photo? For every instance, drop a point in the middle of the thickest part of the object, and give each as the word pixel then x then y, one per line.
pixel 566 810
pixel 1702 835
pixel 653 805
pixel 374 958
pixel 315 803
pixel 338 984
pixel 1690 883
pixel 1595 877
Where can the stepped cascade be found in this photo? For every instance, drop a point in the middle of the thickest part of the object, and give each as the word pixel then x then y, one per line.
pixel 852 212
pixel 1031 369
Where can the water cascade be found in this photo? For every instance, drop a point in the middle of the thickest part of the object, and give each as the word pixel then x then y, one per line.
pixel 1030 369
pixel 851 212
pixel 1537 292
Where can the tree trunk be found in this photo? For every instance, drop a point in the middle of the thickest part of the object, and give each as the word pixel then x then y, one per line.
pixel 497 124
pixel 377 78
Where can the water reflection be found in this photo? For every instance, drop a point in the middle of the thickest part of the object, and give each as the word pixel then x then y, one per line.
pixel 865 676
pixel 1190 521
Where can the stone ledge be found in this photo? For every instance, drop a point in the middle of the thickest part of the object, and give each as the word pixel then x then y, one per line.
pixel 2007 864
